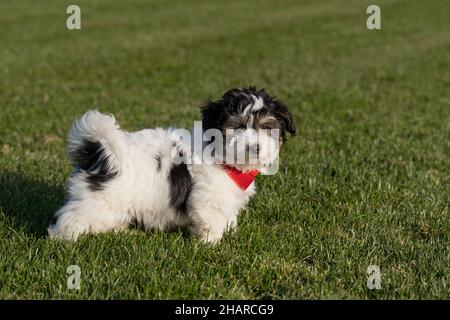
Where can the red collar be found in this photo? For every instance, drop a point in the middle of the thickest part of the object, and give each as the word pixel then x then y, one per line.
pixel 242 179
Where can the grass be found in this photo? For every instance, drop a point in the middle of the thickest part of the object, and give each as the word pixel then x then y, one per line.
pixel 365 182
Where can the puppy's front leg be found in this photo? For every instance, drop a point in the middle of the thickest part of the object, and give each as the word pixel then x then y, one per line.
pixel 210 224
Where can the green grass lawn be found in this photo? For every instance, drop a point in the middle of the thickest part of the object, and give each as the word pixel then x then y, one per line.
pixel 364 182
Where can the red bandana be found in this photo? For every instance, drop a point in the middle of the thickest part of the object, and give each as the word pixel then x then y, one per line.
pixel 243 180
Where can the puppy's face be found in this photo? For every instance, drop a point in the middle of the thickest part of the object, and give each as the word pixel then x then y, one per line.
pixel 253 124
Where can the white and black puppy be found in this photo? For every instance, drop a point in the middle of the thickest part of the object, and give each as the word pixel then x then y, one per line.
pixel 124 177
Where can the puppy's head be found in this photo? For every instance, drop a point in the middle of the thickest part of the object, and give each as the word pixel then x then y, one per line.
pixel 253 125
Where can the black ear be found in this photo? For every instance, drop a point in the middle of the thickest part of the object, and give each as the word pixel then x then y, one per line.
pixel 283 114
pixel 234 101
pixel 214 113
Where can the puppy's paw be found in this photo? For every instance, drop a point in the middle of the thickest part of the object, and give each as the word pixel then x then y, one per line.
pixel 69 232
pixel 210 237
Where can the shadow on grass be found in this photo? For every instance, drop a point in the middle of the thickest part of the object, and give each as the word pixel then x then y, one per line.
pixel 29 204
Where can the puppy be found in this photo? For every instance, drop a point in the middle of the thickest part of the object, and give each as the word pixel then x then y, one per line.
pixel 157 178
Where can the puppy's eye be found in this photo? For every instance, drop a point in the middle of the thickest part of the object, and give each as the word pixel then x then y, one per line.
pixel 241 127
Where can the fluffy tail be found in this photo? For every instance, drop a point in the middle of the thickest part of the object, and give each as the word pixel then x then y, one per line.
pixel 95 145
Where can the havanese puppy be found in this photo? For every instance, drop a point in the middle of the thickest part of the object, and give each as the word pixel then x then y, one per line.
pixel 160 178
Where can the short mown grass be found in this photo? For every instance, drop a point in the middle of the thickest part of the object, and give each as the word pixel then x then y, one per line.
pixel 364 182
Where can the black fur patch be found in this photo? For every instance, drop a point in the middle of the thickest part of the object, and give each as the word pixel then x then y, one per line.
pixel 180 187
pixel 91 159
pixel 158 162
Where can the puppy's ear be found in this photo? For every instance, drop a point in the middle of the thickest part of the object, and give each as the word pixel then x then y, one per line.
pixel 212 114
pixel 283 114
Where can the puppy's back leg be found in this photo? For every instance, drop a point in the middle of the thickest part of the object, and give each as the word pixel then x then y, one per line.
pixel 82 217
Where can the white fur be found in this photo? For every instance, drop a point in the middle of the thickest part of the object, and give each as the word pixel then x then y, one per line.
pixel 257 104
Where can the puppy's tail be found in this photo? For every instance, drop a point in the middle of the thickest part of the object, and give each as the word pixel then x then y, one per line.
pixel 96 145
